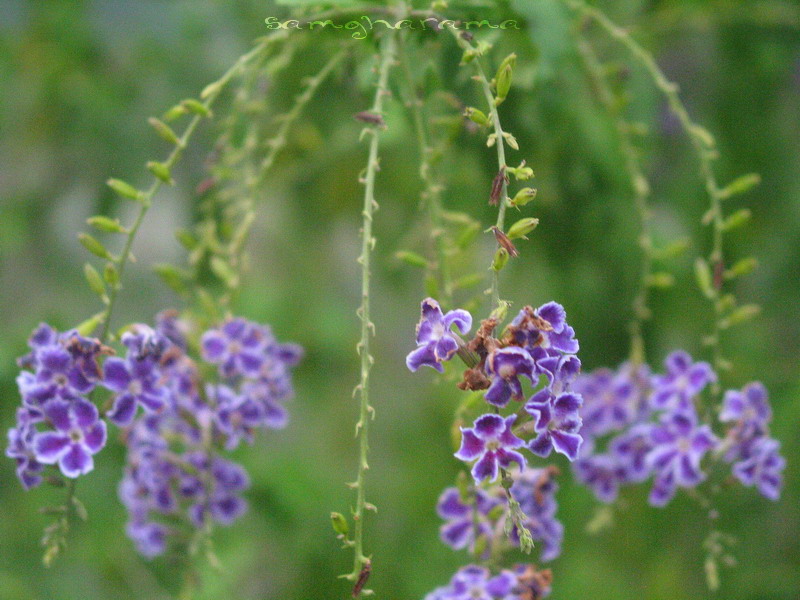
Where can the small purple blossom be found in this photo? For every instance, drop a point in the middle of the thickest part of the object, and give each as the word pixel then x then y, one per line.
pixel 237 416
pixel 135 381
pixel 748 407
pixel 683 381
pixel 505 366
pixel 544 331
pixel 630 450
pixel 20 447
pixel 762 468
pixel 602 473
pixel 535 490
pixel 556 421
pixel 476 583
pixel 492 443
pixel 239 347
pixel 679 445
pixel 463 520
pixel 436 343
pixel 612 400
pixel 79 434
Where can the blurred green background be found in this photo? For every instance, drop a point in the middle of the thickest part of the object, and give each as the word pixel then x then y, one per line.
pixel 78 80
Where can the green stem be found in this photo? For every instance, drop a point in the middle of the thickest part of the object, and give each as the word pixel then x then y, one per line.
pixel 501 156
pixel 432 191
pixel 704 147
pixel 360 561
pixel 641 192
pixel 211 93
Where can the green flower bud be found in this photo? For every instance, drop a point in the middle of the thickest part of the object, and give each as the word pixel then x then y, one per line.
pixel 164 131
pixel 740 185
pixel 737 219
pixel 411 258
pixel 124 189
pixel 93 246
pixel 503 81
pixel 702 273
pixel 476 116
pixel 522 228
pixel 196 107
pixel 105 224
pixel 161 171
pixel 523 196
pixel 500 259
pixel 339 523
pixel 95 281
pixel 742 267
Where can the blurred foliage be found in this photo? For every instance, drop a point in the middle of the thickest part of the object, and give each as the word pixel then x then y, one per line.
pixel 79 80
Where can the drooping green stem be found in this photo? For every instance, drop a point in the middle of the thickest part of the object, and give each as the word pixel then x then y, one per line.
pixel 706 151
pixel 361 563
pixel 641 192
pixel 278 141
pixel 210 94
pixel 501 155
pixel 433 189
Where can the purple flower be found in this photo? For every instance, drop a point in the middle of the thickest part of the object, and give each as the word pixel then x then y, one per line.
pixel 135 382
pixel 236 416
pixel 221 502
pixel 20 447
pixel 464 520
pixel 490 441
pixel 682 383
pixel 544 331
pixel 749 407
pixel 239 347
pixel 612 400
pixel 762 468
pixel 79 434
pixel 679 445
pixel 57 376
pixel 535 490
pixel 436 342
pixel 630 450
pixel 556 422
pixel 475 583
pixel 150 538
pixel 505 366
pixel 602 473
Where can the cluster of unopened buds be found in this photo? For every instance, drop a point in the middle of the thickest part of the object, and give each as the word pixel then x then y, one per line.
pixel 191 412
pixel 536 349
pixel 637 425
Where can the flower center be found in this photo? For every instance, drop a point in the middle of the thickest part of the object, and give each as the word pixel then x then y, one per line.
pixel 506 371
pixel 684 444
pixel 493 445
pixel 135 387
pixel 76 435
pixel 60 379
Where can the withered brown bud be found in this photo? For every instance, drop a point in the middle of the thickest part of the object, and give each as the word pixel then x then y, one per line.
pixel 497 187
pixel 370 118
pixel 528 322
pixel 484 342
pixel 503 240
pixel 362 578
pixel 474 379
pixel 533 584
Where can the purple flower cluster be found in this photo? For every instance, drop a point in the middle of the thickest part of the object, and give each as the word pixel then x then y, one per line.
pixel 173 469
pixel 56 423
pixel 480 519
pixel 649 427
pixel 473 582
pixel 755 456
pixel 537 344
